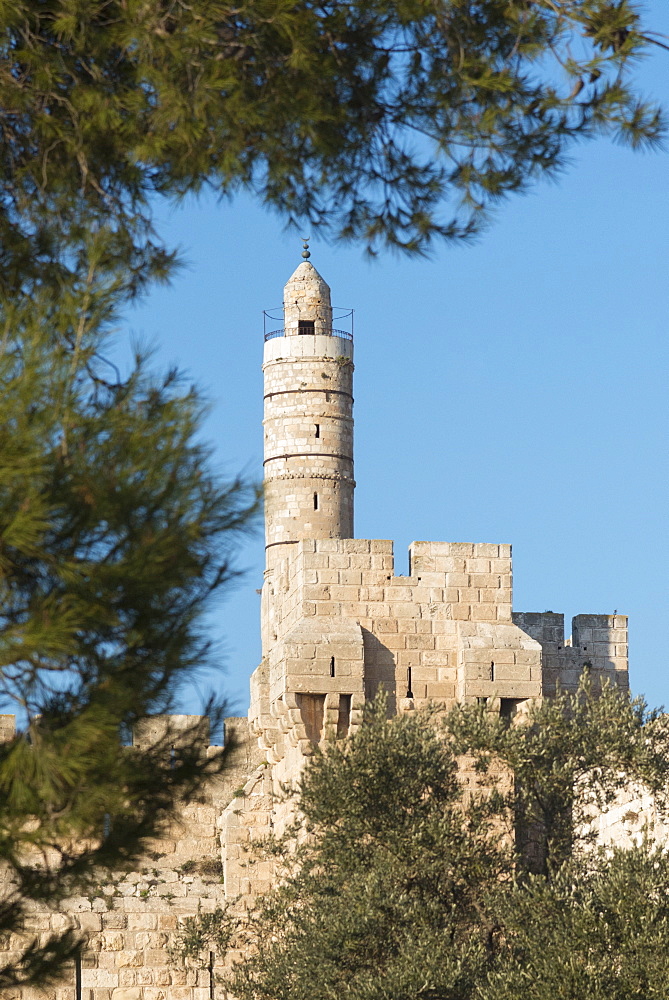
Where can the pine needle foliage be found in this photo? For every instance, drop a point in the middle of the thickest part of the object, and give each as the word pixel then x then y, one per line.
pixel 403 878
pixel 115 534
pixel 385 122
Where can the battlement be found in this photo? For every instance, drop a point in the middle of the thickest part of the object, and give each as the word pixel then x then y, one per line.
pixel 356 577
pixel 343 626
pixel 155 728
pixel 598 643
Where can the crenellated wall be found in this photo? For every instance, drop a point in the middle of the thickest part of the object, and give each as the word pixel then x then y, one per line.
pixel 598 643
pixel 130 921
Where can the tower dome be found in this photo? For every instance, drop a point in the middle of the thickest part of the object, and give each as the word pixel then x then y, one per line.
pixel 306 302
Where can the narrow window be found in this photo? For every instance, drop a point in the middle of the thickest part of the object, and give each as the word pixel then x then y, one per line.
pixel 492 671
pixel 306 326
pixel 106 826
pixel 77 978
pixel 508 708
pixel 409 691
pixel 327 397
pixel 344 716
pixel 315 501
pixel 332 666
pixel 212 979
pixel 317 431
pixel 482 701
pixel 312 709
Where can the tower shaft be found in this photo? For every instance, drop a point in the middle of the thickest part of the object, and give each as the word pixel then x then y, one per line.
pixel 308 421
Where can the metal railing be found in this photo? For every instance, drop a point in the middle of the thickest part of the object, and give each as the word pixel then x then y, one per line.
pixel 337 316
pixel 344 334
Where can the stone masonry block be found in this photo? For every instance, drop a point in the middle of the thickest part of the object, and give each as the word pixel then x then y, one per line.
pixel 486 549
pixel 435 657
pixel 478 565
pixel 485 580
pixel 408 657
pixel 441 690
pixel 404 610
pixel 433 579
pixel 420 642
pixel 455 548
pixel 7 727
pixel 342 592
pixel 484 612
pixel 353 545
pixel 460 612
pixel 381 546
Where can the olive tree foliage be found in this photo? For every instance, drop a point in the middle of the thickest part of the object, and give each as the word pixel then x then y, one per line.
pixel 598 931
pixel 407 879
pixel 570 755
pixel 385 122
pixel 386 896
pixel 116 531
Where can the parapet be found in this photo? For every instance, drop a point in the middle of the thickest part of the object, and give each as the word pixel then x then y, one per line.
pixel 155 728
pixel 598 644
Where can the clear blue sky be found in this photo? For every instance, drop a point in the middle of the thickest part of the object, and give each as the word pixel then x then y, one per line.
pixel 510 391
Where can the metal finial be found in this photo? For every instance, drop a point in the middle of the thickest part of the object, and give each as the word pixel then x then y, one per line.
pixel 305 247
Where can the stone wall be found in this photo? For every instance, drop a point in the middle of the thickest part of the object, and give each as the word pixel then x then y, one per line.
pixel 597 643
pixel 129 922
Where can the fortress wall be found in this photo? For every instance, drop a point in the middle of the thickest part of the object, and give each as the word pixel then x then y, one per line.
pixel 598 643
pixel 130 921
pixel 429 636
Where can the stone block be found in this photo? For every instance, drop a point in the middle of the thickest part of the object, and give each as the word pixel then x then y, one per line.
pixel 420 642
pixel 7 728
pixel 456 548
pixel 154 957
pixel 94 978
pixel 113 941
pixel 460 612
pixel 441 690
pixel 402 610
pixel 445 641
pixel 477 565
pixel 129 959
pixel 486 550
pixel 484 612
pixel 468 595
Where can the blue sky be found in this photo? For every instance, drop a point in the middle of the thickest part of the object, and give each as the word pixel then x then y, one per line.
pixel 514 390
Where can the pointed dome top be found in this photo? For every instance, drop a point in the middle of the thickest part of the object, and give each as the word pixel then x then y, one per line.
pixel 306 302
pixel 305 276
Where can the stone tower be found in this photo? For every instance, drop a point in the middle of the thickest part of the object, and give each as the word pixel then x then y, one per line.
pixel 308 376
pixel 308 426
pixel 338 626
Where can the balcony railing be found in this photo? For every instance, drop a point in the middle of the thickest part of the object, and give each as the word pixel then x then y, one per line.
pixel 342 317
pixel 344 334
